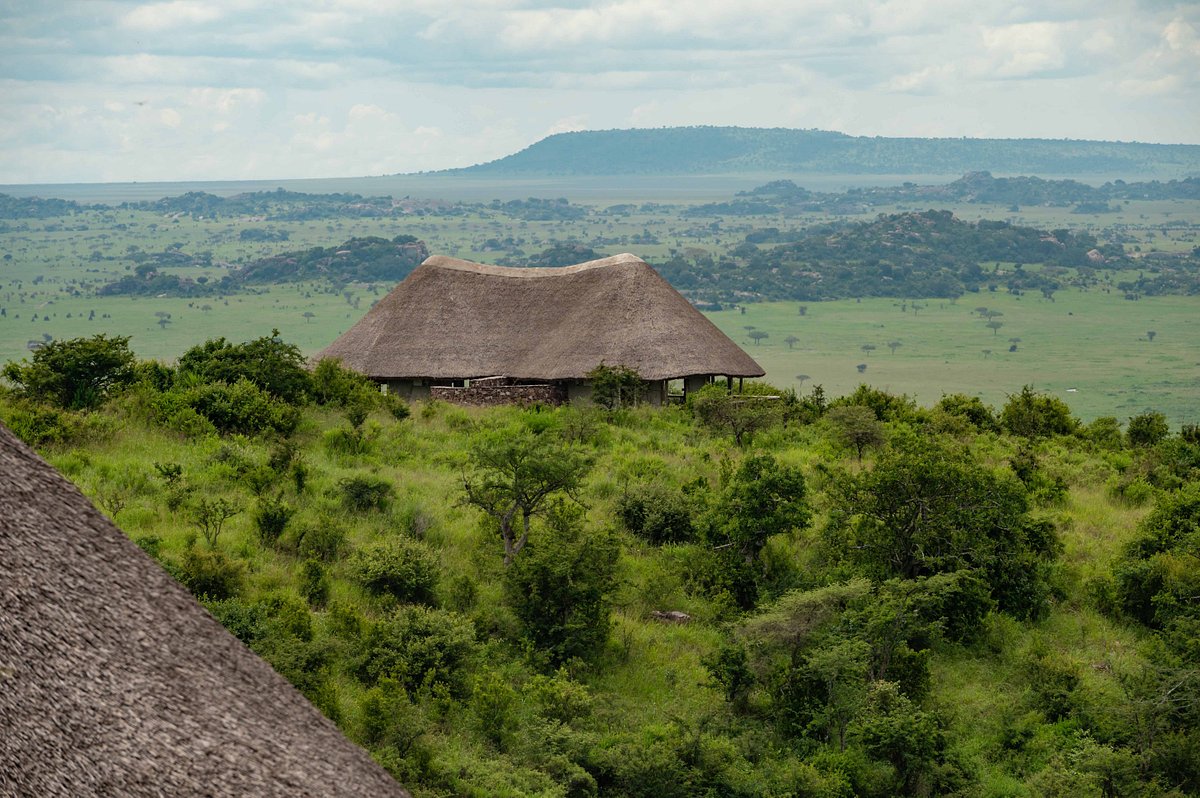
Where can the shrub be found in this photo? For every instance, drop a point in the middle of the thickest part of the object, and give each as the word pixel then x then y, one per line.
pixel 656 514
pixel 559 588
pixel 886 406
pixel 271 518
pixel 418 647
pixel 1034 415
pixel 270 364
pixel 326 541
pixel 74 373
pixel 399 567
pixel 363 493
pixel 971 408
pixel 314 583
pixel 209 574
pixel 241 408
pixel 618 386
pixel 1147 429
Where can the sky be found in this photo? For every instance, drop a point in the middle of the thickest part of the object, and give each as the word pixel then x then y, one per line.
pixel 116 90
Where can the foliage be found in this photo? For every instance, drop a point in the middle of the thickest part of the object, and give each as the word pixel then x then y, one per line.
pixel 419 647
pixel 399 567
pixel 856 426
pixel 238 408
pixel 271 517
pixel 362 493
pixel 559 588
pixel 656 513
pixel 1035 415
pixel 741 414
pixel 514 472
pixel 972 408
pixel 928 507
pixel 269 363
pixel 763 498
pixel 1157 579
pixel 1147 429
pixel 209 517
pixel 616 386
pixel 209 573
pixel 74 374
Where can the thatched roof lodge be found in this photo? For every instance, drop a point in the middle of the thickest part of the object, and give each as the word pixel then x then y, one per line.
pixel 452 322
pixel 114 681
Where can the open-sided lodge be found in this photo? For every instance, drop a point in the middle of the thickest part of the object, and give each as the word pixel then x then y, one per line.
pixel 481 334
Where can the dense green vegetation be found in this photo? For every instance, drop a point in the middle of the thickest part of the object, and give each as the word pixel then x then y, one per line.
pixel 749 596
pixel 707 150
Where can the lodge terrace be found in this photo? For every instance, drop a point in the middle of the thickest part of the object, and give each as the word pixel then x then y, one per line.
pixel 482 334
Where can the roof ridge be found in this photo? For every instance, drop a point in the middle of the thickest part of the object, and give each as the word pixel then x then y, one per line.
pixel 528 272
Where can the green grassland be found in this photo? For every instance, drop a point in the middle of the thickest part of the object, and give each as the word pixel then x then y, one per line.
pixel 1093 342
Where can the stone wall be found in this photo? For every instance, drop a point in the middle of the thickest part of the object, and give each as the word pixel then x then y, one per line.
pixel 481 393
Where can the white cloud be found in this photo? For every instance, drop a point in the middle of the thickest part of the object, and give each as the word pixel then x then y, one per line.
pixel 164 16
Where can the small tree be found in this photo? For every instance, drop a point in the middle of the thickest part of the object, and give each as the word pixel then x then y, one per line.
pixel 802 378
pixel 763 498
pixel 77 373
pixel 1150 334
pixel 209 516
pixel 741 414
pixel 868 349
pixel 512 473
pixel 791 341
pixel 857 427
pixel 559 590
pixel 758 335
pixel 995 326
pixel 894 345
pixel 1147 429
pixel 861 367
pixel 616 386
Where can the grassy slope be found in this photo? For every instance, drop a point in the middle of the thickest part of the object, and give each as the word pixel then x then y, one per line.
pixel 651 674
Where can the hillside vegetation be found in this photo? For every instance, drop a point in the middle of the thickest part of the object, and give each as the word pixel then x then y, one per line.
pixel 794 596
pixel 717 150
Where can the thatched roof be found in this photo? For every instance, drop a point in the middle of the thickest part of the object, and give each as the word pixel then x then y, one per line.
pixel 453 319
pixel 114 681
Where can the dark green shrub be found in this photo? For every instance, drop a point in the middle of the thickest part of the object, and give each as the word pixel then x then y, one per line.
pixel 1034 415
pixel 271 518
pixel 209 573
pixel 242 408
pixel 333 383
pixel 419 647
pixel 406 569
pixel 270 364
pixel 559 587
pixel 886 406
pixel 363 493
pixel 325 541
pixel 616 386
pixel 656 514
pixel 74 373
pixel 1147 429
pixel 314 583
pixel 971 408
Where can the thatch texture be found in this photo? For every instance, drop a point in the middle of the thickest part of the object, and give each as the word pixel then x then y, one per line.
pixel 115 682
pixel 452 319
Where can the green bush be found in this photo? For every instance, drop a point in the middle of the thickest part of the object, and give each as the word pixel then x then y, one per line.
pixel 241 407
pixel 364 493
pixel 208 573
pixel 271 518
pixel 76 373
pixel 1034 415
pixel 325 541
pixel 559 587
pixel 268 363
pixel 1147 429
pixel 656 514
pixel 419 647
pixel 406 569
pixel 314 583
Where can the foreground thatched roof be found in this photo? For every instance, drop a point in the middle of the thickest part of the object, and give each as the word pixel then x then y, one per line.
pixel 453 319
pixel 114 681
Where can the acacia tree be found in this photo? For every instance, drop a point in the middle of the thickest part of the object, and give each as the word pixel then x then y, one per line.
pixel 857 427
pixel 512 474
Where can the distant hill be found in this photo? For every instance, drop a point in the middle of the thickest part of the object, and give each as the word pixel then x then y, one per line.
pixel 732 150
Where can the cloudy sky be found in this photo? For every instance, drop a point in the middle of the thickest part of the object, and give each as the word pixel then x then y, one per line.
pixel 113 90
